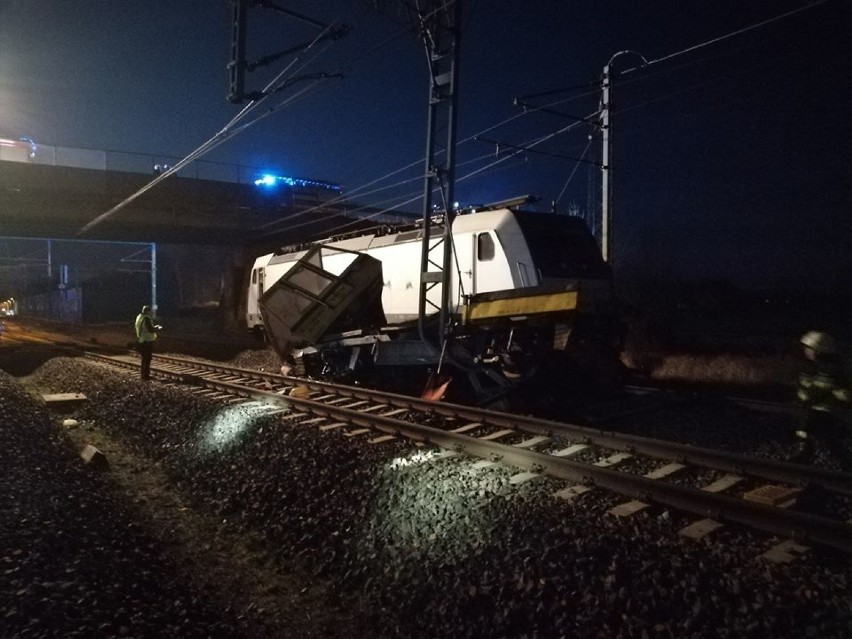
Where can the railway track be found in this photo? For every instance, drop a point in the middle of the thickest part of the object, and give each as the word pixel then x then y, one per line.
pixel 715 487
pixel 637 399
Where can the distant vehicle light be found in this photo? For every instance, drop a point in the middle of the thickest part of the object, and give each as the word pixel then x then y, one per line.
pixel 268 181
pixel 26 144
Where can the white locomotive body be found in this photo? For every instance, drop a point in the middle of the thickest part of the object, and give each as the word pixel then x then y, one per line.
pixel 530 295
pixel 493 251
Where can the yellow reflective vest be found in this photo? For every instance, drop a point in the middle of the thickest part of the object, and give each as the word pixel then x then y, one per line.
pixel 822 390
pixel 145 331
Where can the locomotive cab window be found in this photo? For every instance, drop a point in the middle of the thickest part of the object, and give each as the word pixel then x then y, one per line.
pixel 484 247
pixel 561 246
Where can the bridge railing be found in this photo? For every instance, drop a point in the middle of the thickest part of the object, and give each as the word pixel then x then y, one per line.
pixel 105 160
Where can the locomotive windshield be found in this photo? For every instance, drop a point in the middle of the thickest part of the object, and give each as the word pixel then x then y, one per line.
pixel 561 246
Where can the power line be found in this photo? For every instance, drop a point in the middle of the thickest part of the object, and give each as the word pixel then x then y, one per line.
pixel 732 34
pixel 546 109
pixel 230 130
pixel 574 170
pixel 529 144
pixel 359 191
pixel 225 133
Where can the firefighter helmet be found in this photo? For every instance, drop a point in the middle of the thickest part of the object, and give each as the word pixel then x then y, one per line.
pixel 820 342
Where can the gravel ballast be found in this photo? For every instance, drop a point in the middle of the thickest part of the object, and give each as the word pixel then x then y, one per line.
pixel 294 531
pixel 75 560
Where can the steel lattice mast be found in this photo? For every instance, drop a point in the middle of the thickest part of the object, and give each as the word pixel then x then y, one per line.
pixel 438 22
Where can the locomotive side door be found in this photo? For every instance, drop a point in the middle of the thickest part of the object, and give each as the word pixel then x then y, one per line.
pixel 474 268
pixel 464 266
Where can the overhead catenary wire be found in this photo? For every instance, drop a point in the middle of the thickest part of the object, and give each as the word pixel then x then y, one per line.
pixel 732 34
pixel 415 198
pixel 178 166
pixel 530 144
pixel 361 192
pixel 230 130
pixel 528 111
pixel 573 171
pixel 225 133
pixel 544 108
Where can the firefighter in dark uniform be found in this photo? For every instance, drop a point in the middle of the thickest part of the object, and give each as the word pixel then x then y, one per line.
pixel 146 334
pixel 825 394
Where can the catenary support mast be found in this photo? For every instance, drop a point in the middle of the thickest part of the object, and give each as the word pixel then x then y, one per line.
pixel 438 22
pixel 606 199
pixel 606 156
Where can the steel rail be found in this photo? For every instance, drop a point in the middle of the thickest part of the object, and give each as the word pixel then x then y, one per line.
pixel 778 521
pixel 769 469
pixel 797 525
pixel 762 405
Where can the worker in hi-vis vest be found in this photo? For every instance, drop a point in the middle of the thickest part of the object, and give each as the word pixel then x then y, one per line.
pixel 146 334
pixel 824 392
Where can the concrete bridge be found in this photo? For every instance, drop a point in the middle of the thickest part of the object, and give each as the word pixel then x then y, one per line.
pixel 209 219
pixel 54 192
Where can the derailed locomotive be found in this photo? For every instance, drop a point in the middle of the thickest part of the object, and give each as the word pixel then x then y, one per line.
pixel 533 321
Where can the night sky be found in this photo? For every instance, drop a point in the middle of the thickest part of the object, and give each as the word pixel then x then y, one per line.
pixel 728 161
